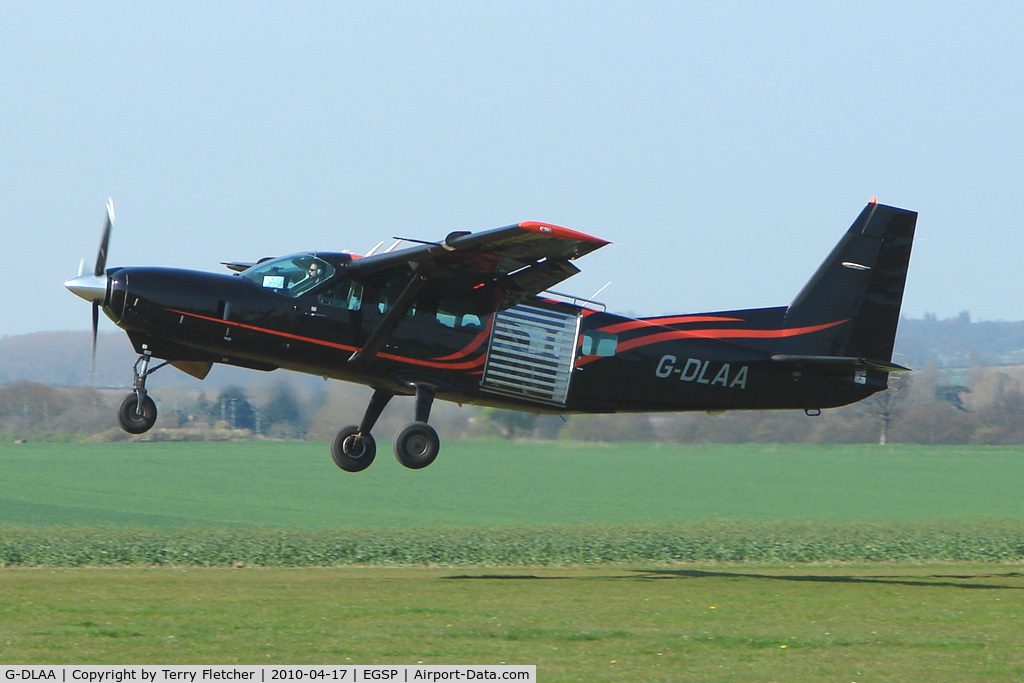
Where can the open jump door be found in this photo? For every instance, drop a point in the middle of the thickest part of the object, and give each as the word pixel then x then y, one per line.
pixel 532 353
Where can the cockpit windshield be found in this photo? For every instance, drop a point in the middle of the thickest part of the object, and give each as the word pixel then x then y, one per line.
pixel 290 275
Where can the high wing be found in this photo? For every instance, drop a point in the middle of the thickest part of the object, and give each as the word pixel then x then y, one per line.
pixel 504 266
pixel 238 266
pixel 519 260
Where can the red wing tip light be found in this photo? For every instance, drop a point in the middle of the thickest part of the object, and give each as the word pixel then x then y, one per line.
pixel 873 200
pixel 557 231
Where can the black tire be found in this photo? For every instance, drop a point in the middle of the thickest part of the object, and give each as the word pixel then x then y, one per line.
pixel 353 453
pixel 417 445
pixel 136 419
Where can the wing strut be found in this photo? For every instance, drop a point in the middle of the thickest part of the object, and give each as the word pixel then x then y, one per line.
pixel 391 318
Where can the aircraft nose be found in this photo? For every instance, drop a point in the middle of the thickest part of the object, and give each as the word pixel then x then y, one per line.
pixel 89 287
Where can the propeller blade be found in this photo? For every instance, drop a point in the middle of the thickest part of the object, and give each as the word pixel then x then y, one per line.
pixel 101 256
pixel 81 267
pixel 95 328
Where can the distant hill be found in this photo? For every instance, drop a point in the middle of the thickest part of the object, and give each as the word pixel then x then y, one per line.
pixel 959 343
pixel 61 359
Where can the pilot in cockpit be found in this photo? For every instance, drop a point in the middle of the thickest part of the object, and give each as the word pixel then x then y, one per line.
pixel 315 273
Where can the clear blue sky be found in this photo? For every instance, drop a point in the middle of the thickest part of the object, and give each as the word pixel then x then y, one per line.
pixel 722 147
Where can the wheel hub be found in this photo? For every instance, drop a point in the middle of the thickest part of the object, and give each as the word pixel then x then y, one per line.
pixel 417 445
pixel 354 447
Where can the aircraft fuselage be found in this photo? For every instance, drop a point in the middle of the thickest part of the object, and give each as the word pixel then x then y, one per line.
pixel 543 355
pixel 470 319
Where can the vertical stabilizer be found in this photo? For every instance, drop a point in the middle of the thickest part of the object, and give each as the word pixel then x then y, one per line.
pixel 860 285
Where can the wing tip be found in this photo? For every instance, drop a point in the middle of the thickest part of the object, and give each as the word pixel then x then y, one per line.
pixel 560 232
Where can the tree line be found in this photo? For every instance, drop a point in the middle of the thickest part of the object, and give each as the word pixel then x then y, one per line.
pixel 924 407
pixel 31 410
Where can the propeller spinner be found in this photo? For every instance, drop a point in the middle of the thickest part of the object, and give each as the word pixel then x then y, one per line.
pixel 93 287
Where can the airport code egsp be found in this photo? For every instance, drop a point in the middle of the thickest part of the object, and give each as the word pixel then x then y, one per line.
pixel 269 674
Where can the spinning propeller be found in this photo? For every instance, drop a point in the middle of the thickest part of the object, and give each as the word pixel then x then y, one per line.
pixel 94 287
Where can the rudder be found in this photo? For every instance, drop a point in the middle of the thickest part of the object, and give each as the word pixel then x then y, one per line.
pixel 860 284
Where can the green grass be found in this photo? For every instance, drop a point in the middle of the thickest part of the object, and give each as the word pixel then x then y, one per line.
pixel 651 624
pixel 778 542
pixel 477 484
pixel 642 514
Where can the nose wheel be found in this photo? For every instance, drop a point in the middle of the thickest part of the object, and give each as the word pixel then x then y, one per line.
pixel 135 417
pixel 416 444
pixel 137 412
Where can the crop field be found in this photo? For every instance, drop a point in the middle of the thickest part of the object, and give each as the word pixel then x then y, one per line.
pixel 295 485
pixel 624 563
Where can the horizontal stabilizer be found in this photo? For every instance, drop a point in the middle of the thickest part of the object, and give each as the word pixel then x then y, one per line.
pixel 840 362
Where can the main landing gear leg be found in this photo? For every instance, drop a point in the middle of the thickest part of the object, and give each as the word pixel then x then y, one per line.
pixel 137 413
pixel 417 444
pixel 353 449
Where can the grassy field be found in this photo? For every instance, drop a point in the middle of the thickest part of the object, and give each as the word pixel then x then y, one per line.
pixel 878 623
pixel 662 528
pixel 498 484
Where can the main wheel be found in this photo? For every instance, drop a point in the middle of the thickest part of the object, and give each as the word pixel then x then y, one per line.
pixel 417 445
pixel 135 418
pixel 351 452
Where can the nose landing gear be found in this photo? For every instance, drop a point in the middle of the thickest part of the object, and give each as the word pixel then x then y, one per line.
pixel 137 412
pixel 136 417
pixel 416 445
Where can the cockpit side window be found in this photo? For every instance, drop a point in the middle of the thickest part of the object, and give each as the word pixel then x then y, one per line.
pixel 292 275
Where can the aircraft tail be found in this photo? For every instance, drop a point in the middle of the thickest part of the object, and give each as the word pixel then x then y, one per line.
pixel 854 297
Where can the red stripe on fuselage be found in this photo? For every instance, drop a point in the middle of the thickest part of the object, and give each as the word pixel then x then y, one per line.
pixel 473 345
pixel 665 322
pixel 723 334
pixel 468 365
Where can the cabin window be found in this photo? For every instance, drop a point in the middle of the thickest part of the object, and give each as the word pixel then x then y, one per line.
pixel 355 297
pixel 292 275
pixel 347 294
pixel 599 344
pixel 389 297
pixel 459 316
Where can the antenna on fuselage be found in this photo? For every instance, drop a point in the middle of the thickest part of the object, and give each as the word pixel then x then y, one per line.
pixel 374 249
pixel 594 295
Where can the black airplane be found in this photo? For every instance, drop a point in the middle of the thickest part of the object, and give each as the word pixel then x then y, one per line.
pixel 470 319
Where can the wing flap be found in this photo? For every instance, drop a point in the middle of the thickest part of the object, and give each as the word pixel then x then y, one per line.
pixel 526 283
